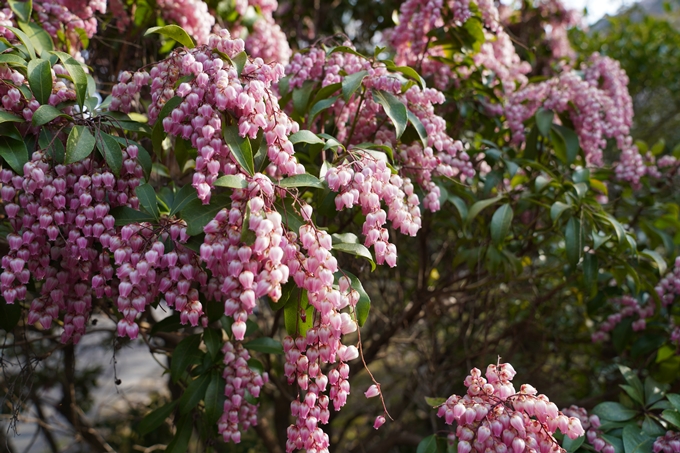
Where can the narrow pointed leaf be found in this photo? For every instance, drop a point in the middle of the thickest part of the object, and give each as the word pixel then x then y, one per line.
pixel 264 344
pixel 155 419
pixel 394 108
pixel 351 83
pixel 183 355
pixel 79 144
pixel 173 32
pixel 500 223
pixel 240 149
pixel 78 76
pixel 109 148
pixel 305 136
pixel 232 181
pixel 303 180
pixel 183 197
pixel 40 79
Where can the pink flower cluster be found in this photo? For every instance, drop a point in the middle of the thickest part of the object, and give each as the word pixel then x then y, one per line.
pixel 492 416
pixel 192 15
pixel 627 306
pixel 266 40
pixel 668 443
pixel 241 272
pixel 367 182
pixel 590 424
pixel 238 412
pixel 558 19
pixel 668 289
pixel 598 104
pixel 6 20
pixel 61 217
pixel 68 16
pixel 216 88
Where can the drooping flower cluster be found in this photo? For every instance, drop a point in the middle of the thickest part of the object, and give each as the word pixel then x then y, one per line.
pixel 216 88
pixel 558 19
pixel 496 58
pixel 366 181
pixel 238 412
pixel 627 306
pixel 668 289
pixel 597 103
pixel 668 443
pixel 591 424
pixel 492 416
pixel 266 40
pixel 192 15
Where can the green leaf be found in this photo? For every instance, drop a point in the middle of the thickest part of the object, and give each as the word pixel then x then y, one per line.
pixel 671 416
pixel 479 206
pixel 572 240
pixel 572 445
pixel 158 132
pixel 213 341
pixel 590 272
pixel 654 391
pixel 183 197
pixel 214 398
pixel 351 83
pixel 239 61
pixel 394 108
pixel 652 428
pixel 194 393
pixel 305 136
pixel 320 106
pixel 364 304
pixel 38 36
pixel 25 40
pixel 301 97
pixel 674 399
pixel 264 344
pixel 125 215
pixel 303 180
pixel 356 250
pixel 79 144
pixel 614 412
pixel 240 148
pixel 109 148
pixel 40 79
pixel 557 209
pixel 197 215
pixel 78 76
pixel 636 442
pixel 631 378
pixel 173 32
pixel 12 59
pixel 45 114
pixel 460 205
pixel 618 228
pixel 633 393
pixel 298 315
pixel 657 259
pixel 434 401
pixel 9 315
pixel 22 9
pixel 419 127
pixel 147 199
pixel 14 153
pixel 428 445
pixel 570 140
pixel 154 419
pixel 500 223
pixel 231 181
pixel 180 442
pixel 544 119
pixel 183 356
pixel 410 73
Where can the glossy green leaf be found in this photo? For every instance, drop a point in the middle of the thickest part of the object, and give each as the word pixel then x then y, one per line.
pixel 125 215
pixel 14 153
pixel 614 412
pixel 320 106
pixel 395 109
pixel 634 441
pixel 21 9
pixel 197 215
pixel 479 206
pixel 264 344
pixel 544 120
pixel 42 42
pixel 147 199
pixel 572 445
pixel 572 239
pixel 240 148
pixel 298 315
pixel 47 113
pixel 25 40
pixel 654 391
pixel 184 355
pixel 357 250
pixel 657 259
pixel 183 197
pixel 673 398
pixel 180 443
pixel 305 136
pixel 213 341
pixel 428 445
pixel 109 148
pixel 154 419
pixel 500 223
pixel 12 59
pixel 570 140
pixel 672 417
pixel 40 79
pixel 173 32
pixel 79 144
pixel 351 83
pixel 239 61
pixel 434 401
pixel 194 393
pixel 419 127
pixel 590 272
pixel 303 180
pixel 301 97
pixel 78 76
pixel 214 398
pixel 158 132
pixel 231 181
pixel 363 306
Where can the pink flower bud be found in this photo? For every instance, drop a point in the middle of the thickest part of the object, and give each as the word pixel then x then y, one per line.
pixel 372 391
pixel 379 421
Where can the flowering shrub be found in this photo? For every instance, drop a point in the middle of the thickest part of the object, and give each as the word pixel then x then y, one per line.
pixel 249 192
